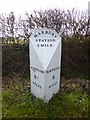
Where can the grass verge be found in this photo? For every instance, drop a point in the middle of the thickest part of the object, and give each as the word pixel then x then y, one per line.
pixel 19 103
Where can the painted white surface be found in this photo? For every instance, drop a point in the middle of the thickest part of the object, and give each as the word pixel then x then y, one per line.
pixel 45 60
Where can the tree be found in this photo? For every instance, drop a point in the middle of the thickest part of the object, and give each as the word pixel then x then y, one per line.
pixel 10 25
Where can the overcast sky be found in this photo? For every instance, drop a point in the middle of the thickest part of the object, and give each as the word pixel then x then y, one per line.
pixel 22 6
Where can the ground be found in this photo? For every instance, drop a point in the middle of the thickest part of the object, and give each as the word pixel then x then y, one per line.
pixel 70 102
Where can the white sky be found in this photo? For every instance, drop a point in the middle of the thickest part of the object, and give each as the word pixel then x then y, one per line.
pixel 21 6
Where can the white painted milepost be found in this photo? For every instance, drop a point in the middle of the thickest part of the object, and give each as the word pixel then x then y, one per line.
pixel 45 63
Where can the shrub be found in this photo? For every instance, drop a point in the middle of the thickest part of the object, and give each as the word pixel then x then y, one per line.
pixel 74 57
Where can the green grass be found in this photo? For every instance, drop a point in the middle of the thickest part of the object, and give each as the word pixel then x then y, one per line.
pixel 19 103
pixel 0 105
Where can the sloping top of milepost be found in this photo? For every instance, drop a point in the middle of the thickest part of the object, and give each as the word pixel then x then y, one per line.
pixel 45 42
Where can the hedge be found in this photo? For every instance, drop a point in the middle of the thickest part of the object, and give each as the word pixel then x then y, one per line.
pixel 15 58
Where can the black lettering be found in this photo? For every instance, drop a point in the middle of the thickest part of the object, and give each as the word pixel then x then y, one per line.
pixel 47 45
pixel 52 34
pixel 39 40
pixel 36 69
pixel 35 35
pixel 42 40
pixel 39 33
pixel 46 32
pixel 53 69
pixel 42 72
pixel 38 45
pixel 49 32
pixel 47 72
pixel 42 45
pixel 41 87
pixel 45 40
pixel 53 77
pixel 55 36
pixel 37 85
pixel 35 76
pixel 42 32
pixel 52 84
pixel 36 40
pixel 53 40
pixel 50 45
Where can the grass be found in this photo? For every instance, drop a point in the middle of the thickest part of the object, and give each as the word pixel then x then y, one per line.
pixel 19 103
pixel 0 105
